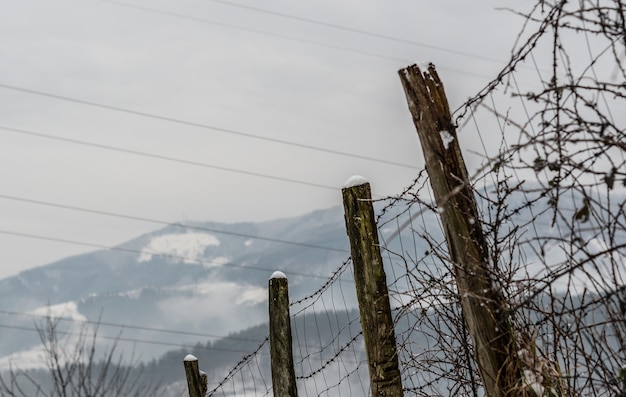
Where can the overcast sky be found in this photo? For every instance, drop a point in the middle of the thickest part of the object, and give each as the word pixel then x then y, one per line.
pixel 214 111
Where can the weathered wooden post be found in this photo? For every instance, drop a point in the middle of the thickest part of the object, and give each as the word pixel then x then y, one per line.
pixel 281 353
pixel 482 302
pixel 371 289
pixel 196 382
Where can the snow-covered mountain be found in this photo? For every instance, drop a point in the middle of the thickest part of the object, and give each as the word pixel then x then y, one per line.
pixel 204 278
pixel 207 280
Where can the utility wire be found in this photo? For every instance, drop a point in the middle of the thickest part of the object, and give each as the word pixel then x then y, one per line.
pixel 352 30
pixel 135 327
pixel 172 159
pixel 159 222
pixel 250 30
pixel 127 326
pixel 311 42
pixel 153 253
pixel 197 125
pixel 133 340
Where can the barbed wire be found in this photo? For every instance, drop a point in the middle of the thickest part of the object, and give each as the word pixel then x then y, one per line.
pixel 551 191
pixel 554 211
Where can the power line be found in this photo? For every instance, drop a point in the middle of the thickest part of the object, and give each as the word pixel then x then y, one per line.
pixel 127 326
pixel 172 159
pixel 133 340
pixel 352 30
pixel 159 222
pixel 250 30
pixel 153 253
pixel 135 327
pixel 311 42
pixel 198 125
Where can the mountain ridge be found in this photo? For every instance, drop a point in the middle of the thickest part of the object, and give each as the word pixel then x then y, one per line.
pixel 159 283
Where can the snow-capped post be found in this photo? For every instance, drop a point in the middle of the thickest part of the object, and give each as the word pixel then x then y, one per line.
pixel 194 380
pixel 281 353
pixel 371 288
pixel 483 304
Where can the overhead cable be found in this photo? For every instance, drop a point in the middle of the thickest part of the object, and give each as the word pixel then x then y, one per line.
pixel 311 42
pixel 200 125
pixel 133 340
pixel 354 30
pixel 153 253
pixel 164 223
pixel 126 326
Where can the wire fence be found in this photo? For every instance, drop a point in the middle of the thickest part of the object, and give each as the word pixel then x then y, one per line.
pixel 329 356
pixel 547 150
pixel 550 178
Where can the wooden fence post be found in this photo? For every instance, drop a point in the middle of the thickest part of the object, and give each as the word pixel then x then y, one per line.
pixel 196 382
pixel 482 302
pixel 371 289
pixel 281 353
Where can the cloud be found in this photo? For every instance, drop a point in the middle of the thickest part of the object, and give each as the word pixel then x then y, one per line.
pixel 277 85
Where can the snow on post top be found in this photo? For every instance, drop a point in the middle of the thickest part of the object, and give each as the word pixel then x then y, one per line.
pixel 355 180
pixel 190 357
pixel 424 65
pixel 278 274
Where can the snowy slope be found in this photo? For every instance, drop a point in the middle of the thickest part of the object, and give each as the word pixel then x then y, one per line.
pixel 209 279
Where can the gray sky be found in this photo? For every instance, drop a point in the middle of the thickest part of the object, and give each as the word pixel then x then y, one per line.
pixel 222 87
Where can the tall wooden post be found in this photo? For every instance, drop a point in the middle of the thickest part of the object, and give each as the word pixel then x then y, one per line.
pixel 371 289
pixel 196 382
pixel 281 350
pixel 482 302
